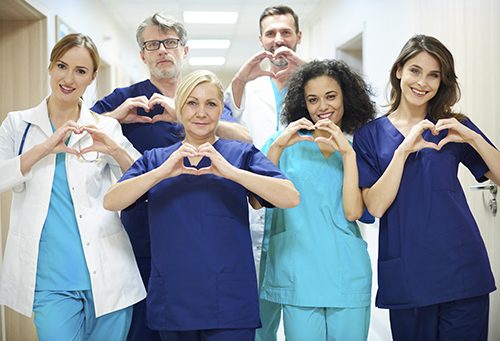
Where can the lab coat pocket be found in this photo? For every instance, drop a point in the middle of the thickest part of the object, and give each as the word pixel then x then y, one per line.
pixel 393 288
pixel 117 257
pixel 356 267
pixel 237 299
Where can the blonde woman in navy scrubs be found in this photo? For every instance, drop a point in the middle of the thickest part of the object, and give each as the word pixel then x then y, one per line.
pixel 67 259
pixel 433 270
pixel 203 283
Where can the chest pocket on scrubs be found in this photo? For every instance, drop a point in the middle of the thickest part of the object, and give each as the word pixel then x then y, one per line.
pixel 441 168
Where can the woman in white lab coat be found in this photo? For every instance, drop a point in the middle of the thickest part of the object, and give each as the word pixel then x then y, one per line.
pixel 67 259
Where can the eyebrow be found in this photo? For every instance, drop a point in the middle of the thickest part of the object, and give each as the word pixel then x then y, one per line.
pixel 78 66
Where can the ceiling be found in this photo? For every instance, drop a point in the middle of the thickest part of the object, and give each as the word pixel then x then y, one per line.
pixel 128 14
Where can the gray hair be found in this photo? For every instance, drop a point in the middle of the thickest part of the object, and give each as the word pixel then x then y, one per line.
pixel 165 24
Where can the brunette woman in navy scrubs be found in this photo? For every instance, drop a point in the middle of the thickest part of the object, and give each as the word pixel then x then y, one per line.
pixel 433 270
pixel 202 282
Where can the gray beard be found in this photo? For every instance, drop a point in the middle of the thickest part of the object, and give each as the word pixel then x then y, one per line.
pixel 165 74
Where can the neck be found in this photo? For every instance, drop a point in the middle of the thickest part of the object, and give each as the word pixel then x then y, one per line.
pixel 280 83
pixel 409 113
pixel 61 112
pixel 198 141
pixel 167 86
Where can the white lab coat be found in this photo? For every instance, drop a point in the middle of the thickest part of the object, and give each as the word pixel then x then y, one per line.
pixel 115 279
pixel 258 113
pixel 257 110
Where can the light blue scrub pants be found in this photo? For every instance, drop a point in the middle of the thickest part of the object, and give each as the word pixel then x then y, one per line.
pixel 70 316
pixel 318 324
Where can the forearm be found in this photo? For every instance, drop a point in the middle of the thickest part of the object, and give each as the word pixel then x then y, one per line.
pixel 233 131
pixel 31 157
pixel 123 158
pixel 274 153
pixel 381 195
pixel 490 156
pixel 237 88
pixel 124 194
pixel 351 194
pixel 279 192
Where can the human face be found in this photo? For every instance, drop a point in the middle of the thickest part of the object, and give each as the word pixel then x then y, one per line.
pixel 324 99
pixel 201 112
pixel 277 31
pixel 163 63
pixel 71 74
pixel 420 79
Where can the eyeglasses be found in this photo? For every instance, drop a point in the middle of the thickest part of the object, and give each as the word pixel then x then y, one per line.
pixel 153 45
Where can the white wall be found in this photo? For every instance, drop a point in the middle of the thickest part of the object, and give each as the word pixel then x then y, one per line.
pixel 91 18
pixel 471 30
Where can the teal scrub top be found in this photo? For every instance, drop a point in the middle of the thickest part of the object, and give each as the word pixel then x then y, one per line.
pixel 61 261
pixel 312 255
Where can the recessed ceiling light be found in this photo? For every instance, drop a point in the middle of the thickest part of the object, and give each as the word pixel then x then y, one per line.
pixel 209 43
pixel 206 17
pixel 197 61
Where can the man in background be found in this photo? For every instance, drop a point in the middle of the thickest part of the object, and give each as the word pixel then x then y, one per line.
pixel 255 96
pixel 146 112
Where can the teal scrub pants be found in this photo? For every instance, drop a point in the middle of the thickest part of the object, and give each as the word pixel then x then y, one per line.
pixel 329 324
pixel 270 316
pixel 70 315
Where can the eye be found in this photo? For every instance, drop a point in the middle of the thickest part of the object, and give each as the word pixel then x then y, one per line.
pixel 213 104
pixel 81 71
pixel 331 97
pixel 270 34
pixel 312 100
pixel 286 33
pixel 191 103
pixel 414 70
pixel 61 66
pixel 434 75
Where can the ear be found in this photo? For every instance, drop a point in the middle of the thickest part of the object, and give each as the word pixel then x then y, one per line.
pixel 94 76
pixel 260 39
pixel 299 37
pixel 185 52
pixel 142 56
pixel 399 71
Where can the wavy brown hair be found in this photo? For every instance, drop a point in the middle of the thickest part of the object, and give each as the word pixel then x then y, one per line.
pixel 440 106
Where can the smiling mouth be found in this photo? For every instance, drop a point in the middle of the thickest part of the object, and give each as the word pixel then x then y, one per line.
pixel 419 92
pixel 325 115
pixel 66 89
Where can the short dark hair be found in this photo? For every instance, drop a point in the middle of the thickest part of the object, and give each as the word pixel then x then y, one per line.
pixel 358 107
pixel 279 10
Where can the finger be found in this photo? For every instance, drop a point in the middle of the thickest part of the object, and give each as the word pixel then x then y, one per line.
pixel 206 170
pixel 141 119
pixel 68 150
pixel 327 141
pixel 164 118
pixel 426 144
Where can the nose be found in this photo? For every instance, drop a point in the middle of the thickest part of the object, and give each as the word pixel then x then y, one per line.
pixel 68 77
pixel 323 104
pixel 278 39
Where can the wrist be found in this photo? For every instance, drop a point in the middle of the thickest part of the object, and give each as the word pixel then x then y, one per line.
pixel 401 152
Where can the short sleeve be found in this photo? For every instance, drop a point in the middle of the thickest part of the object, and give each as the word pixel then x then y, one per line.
pixel 227 115
pixel 108 103
pixel 258 163
pixel 366 158
pixel 471 158
pixel 139 167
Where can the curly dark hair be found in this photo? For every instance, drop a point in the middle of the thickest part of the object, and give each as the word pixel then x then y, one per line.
pixel 358 107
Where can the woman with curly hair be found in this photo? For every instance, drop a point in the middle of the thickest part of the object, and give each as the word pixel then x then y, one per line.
pixel 433 270
pixel 315 263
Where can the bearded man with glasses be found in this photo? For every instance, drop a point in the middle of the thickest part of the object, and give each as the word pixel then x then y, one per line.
pixel 146 112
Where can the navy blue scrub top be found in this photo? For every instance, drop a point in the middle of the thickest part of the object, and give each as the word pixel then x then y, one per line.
pixel 143 136
pixel 203 274
pixel 430 248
